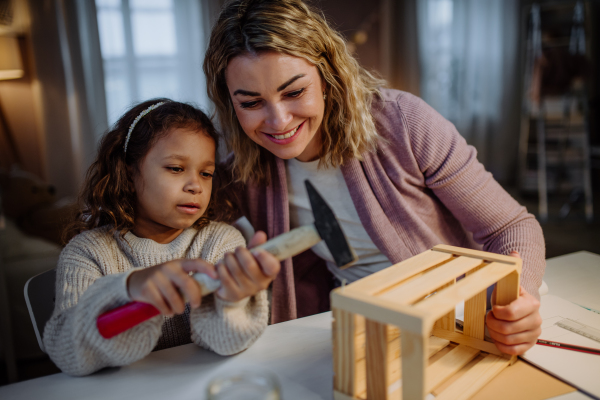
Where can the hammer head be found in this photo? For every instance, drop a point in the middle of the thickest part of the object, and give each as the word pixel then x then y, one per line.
pixel 329 229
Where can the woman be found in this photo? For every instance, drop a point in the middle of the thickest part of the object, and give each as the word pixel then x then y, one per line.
pixel 294 104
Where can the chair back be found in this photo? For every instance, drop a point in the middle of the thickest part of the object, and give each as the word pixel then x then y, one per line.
pixel 40 296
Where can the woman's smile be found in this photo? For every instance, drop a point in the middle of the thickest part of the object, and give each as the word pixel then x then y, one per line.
pixel 285 137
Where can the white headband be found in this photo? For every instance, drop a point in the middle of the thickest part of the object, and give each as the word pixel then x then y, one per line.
pixel 137 119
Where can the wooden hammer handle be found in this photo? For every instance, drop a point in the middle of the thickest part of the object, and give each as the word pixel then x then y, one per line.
pixel 291 243
pixel 120 319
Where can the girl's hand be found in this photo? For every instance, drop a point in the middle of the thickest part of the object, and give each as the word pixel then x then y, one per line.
pixel 244 272
pixel 516 326
pixel 167 286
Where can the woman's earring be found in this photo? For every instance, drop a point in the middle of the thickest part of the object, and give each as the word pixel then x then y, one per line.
pixel 324 96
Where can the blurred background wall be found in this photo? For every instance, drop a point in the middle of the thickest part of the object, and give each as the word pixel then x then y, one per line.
pixel 518 78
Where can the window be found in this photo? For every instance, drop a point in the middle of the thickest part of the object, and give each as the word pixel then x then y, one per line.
pixel 151 48
pixel 438 66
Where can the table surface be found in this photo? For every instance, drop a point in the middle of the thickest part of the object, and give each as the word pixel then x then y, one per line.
pixel 298 352
pixel 575 277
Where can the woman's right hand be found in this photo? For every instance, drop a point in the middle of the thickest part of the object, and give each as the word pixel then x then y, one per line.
pixel 168 286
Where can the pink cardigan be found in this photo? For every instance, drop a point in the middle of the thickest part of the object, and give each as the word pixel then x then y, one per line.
pixel 424 186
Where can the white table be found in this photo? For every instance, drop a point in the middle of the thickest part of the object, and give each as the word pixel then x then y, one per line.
pixel 575 277
pixel 298 352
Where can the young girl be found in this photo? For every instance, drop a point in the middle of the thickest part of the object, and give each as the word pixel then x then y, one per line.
pixel 144 227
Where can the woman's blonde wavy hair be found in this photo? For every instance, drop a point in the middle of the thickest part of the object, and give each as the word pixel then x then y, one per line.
pixel 291 27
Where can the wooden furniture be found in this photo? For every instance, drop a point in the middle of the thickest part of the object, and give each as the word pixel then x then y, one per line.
pixel 383 326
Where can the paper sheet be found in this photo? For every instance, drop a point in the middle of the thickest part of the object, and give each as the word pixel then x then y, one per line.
pixel 579 369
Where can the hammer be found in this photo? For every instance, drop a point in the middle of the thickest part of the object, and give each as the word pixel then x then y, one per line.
pixel 325 227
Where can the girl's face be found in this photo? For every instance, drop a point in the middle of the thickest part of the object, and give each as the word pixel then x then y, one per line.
pixel 174 184
pixel 278 100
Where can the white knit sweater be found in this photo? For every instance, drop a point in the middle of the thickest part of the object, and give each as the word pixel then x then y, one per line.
pixel 91 279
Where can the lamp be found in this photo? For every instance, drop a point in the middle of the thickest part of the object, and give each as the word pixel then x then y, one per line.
pixel 11 66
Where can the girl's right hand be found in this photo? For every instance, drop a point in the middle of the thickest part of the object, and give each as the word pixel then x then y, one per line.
pixel 168 286
pixel 244 272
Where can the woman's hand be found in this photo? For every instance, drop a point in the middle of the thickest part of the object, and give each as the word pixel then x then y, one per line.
pixel 244 272
pixel 167 286
pixel 516 326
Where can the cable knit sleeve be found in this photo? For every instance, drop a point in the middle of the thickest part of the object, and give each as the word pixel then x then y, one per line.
pixel 451 170
pixel 224 327
pixel 71 337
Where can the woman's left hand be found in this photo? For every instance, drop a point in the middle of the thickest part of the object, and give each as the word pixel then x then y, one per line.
pixel 516 326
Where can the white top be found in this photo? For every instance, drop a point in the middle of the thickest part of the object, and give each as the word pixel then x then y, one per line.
pixel 331 185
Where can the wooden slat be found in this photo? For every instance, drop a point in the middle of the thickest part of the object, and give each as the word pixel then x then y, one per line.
pixel 507 291
pixel 474 323
pixel 378 356
pixel 344 355
pixel 474 379
pixel 435 344
pixel 380 310
pixel 448 321
pixel 414 362
pixel 360 378
pixel 359 340
pixel 448 365
pixel 397 273
pixel 359 325
pixel 359 345
pixel 392 351
pixel 393 334
pixel 457 337
pixel 409 292
pixel 445 300
pixel 336 348
pixel 483 255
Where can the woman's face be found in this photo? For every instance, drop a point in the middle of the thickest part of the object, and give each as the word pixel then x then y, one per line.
pixel 278 100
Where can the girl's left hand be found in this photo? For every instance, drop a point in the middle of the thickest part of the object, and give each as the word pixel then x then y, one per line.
pixel 244 272
pixel 516 326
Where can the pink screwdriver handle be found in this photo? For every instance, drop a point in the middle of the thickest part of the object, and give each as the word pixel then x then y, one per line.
pixel 120 319
pixel 116 321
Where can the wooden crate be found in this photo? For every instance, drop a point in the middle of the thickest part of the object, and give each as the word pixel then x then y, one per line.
pixel 394 331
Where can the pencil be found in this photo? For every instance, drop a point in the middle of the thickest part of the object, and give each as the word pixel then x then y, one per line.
pixel 568 346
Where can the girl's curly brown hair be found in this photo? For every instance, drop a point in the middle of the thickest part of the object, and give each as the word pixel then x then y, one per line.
pixel 108 196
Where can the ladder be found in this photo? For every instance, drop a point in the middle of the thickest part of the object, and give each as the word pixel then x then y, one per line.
pixel 554 152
